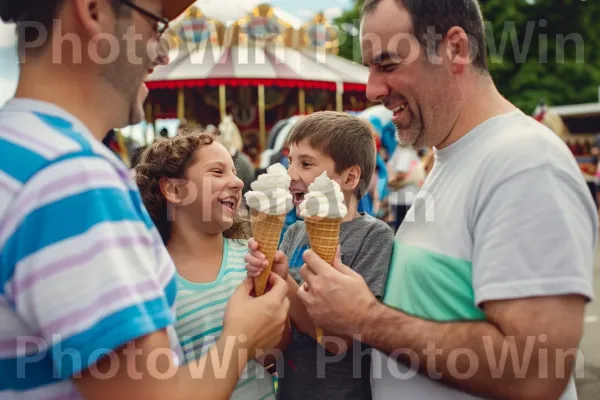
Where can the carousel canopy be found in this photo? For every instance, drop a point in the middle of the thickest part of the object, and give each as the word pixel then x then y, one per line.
pixel 262 46
pixel 250 66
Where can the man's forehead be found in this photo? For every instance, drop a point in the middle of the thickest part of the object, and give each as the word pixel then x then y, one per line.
pixel 384 29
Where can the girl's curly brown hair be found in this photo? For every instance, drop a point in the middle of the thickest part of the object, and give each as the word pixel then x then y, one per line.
pixel 170 158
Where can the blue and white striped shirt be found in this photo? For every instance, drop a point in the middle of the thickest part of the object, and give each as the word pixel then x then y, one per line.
pixel 82 267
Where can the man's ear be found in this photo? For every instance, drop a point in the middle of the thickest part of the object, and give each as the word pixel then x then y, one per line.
pixel 95 17
pixel 459 49
pixel 170 189
pixel 351 178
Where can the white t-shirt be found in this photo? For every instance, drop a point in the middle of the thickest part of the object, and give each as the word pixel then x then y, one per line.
pixel 405 160
pixel 504 214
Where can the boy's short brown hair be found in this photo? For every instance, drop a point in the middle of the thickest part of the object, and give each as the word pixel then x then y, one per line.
pixel 347 139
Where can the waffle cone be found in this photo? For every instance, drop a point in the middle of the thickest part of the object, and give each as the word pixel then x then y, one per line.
pixel 324 237
pixel 266 230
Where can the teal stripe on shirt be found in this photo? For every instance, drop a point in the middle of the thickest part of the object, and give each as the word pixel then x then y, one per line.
pixel 18 162
pixel 202 335
pixel 46 226
pixel 202 307
pixel 187 298
pixel 246 381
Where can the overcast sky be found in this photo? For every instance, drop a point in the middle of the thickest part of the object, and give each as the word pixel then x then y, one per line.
pixel 307 8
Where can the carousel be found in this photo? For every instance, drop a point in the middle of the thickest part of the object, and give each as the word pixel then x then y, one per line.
pixel 260 68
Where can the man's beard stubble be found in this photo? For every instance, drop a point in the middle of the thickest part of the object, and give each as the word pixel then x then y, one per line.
pixel 415 133
pixel 126 76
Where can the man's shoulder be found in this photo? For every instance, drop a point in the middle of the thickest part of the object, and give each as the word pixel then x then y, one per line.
pixel 32 145
pixel 520 143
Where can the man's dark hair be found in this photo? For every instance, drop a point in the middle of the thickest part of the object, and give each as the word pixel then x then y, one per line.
pixel 41 12
pixel 443 15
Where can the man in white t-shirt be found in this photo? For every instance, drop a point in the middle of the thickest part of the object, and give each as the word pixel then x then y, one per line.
pixel 493 266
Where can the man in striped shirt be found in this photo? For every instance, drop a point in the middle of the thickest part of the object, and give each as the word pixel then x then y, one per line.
pixel 86 287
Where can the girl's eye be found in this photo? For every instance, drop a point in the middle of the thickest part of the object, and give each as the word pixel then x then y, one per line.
pixel 306 164
pixel 217 171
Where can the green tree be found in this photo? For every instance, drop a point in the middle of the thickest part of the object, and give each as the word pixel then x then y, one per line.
pixel 537 49
pixel 348 27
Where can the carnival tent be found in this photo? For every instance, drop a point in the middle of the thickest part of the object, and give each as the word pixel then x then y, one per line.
pixel 270 65
pixel 255 62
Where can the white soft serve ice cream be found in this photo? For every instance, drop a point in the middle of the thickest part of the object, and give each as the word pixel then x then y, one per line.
pixel 324 199
pixel 270 193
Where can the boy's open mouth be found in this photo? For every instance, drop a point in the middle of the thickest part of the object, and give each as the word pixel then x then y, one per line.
pixel 298 197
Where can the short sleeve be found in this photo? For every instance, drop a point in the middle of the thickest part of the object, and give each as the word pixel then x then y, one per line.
pixel 86 272
pixel 373 259
pixel 535 235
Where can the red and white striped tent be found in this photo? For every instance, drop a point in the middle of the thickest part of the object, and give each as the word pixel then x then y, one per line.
pixel 271 65
pixel 247 63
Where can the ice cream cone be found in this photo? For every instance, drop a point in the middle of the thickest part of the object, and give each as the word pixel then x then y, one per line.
pixel 266 230
pixel 324 237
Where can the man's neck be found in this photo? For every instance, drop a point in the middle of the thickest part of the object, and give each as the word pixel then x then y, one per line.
pixel 67 89
pixel 481 102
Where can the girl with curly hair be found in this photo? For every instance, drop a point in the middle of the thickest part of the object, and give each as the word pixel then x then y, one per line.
pixel 191 190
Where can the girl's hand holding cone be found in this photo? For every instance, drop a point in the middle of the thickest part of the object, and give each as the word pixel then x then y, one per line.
pixel 256 261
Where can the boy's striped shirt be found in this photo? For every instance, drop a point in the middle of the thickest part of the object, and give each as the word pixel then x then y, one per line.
pixel 200 311
pixel 82 268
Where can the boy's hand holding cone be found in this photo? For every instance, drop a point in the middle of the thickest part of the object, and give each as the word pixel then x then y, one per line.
pixel 269 201
pixel 323 210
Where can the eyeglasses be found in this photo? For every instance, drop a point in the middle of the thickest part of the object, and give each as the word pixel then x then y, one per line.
pixel 161 24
